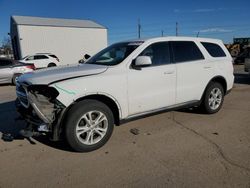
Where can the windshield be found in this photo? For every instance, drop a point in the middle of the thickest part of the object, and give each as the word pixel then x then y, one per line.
pixel 24 57
pixel 114 54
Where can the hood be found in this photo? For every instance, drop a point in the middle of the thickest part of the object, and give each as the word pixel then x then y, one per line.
pixel 49 75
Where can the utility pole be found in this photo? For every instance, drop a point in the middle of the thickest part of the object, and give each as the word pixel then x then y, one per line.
pixel 198 34
pixel 176 28
pixel 162 33
pixel 139 29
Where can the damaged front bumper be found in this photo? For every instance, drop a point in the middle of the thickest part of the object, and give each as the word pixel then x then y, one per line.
pixel 38 105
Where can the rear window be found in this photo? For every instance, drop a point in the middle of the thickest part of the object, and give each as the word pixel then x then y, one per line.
pixel 186 51
pixel 53 56
pixel 214 49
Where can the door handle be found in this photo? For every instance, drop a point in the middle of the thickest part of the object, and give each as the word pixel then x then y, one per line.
pixel 169 72
pixel 207 67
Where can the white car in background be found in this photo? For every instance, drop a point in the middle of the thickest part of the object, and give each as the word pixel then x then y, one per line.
pixel 42 60
pixel 11 69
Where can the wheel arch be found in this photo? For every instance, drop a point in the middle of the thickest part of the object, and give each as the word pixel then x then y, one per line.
pixel 109 100
pixel 218 79
pixel 221 80
pixel 52 64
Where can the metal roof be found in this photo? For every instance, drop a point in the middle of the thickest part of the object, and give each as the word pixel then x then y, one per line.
pixel 55 22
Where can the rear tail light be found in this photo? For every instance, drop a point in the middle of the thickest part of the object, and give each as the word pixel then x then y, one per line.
pixel 31 67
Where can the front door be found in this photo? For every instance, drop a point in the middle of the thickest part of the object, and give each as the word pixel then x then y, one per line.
pixel 152 87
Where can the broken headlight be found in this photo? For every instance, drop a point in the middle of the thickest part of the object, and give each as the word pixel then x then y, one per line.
pixel 43 100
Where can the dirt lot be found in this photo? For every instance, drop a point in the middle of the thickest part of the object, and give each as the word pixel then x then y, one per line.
pixel 175 149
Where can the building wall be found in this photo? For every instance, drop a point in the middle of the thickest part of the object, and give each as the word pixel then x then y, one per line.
pixel 69 44
pixel 15 42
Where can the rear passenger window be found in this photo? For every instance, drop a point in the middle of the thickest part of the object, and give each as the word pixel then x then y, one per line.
pixel 213 49
pixel 158 52
pixel 41 57
pixel 186 51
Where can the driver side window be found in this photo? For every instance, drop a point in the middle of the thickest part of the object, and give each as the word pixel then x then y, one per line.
pixel 158 52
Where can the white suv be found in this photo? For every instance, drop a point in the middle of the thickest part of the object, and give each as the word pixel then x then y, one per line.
pixel 126 80
pixel 42 60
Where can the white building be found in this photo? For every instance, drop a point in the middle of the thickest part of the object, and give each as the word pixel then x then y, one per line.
pixel 66 38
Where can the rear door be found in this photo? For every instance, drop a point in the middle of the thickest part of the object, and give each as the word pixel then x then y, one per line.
pixel 152 87
pixel 41 61
pixel 6 71
pixel 193 71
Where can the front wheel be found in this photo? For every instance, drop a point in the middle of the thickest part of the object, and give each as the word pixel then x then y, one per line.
pixel 214 98
pixel 89 125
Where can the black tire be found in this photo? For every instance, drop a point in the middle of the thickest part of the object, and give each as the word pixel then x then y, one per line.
pixel 211 108
pixel 75 118
pixel 51 65
pixel 14 79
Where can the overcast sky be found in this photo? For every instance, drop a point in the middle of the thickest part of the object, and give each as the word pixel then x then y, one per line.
pixel 215 19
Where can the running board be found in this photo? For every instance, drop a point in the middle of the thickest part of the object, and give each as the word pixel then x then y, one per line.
pixel 161 110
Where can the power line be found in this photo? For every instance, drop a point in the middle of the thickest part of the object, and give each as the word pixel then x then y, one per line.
pixel 176 28
pixel 198 34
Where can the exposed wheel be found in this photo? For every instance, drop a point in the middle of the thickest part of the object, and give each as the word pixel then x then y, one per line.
pixel 14 79
pixel 213 99
pixel 52 65
pixel 89 125
pixel 234 53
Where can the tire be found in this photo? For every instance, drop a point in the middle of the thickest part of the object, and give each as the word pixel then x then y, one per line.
pixel 213 99
pixel 234 53
pixel 51 65
pixel 14 79
pixel 83 118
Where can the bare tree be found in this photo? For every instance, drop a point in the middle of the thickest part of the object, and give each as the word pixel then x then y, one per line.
pixel 6 47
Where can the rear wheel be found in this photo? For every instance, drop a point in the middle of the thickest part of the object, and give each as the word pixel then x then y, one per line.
pixel 15 78
pixel 89 125
pixel 214 98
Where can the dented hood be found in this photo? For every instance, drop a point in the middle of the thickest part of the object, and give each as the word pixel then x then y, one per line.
pixel 49 75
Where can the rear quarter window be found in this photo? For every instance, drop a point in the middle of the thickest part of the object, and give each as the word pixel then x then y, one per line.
pixel 53 56
pixel 214 49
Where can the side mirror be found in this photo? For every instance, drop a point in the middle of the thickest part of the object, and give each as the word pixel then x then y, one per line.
pixel 143 61
pixel 87 56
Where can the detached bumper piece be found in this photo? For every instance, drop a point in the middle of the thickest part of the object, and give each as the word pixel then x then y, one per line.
pixel 34 123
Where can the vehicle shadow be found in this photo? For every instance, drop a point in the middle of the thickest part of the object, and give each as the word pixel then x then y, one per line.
pixel 241 78
pixel 7 84
pixel 11 124
pixel 60 145
pixel 192 110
